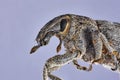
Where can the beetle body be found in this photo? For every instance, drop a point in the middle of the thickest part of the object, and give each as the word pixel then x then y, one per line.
pixel 93 41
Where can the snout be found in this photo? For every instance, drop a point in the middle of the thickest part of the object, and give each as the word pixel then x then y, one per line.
pixel 34 49
pixel 42 40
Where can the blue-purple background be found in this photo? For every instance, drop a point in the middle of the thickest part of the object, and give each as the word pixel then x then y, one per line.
pixel 20 22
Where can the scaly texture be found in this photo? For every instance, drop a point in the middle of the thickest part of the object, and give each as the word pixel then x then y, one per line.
pixel 93 41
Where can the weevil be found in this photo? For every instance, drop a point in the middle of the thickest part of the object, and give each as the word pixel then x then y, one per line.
pixel 93 41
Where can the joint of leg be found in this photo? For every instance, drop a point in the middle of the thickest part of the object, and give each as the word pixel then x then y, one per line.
pixel 115 53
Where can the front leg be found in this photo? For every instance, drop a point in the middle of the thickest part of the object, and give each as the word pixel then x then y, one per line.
pixel 56 62
pixel 53 77
pixel 47 72
pixel 75 62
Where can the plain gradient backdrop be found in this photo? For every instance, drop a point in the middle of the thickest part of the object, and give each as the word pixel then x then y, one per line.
pixel 20 22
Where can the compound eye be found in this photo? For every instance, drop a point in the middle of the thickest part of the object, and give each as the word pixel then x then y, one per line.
pixel 63 25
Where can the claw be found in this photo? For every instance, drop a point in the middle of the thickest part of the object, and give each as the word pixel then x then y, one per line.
pixel 114 69
pixel 116 54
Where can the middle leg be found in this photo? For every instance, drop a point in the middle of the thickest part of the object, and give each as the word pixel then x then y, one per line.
pixel 75 62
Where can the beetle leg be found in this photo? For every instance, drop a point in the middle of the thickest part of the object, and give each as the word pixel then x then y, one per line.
pixel 97 42
pixel 59 45
pixel 81 43
pixel 55 62
pixel 110 49
pixel 106 43
pixel 47 73
pixel 51 76
pixel 75 62
pixel 100 60
pixel 116 54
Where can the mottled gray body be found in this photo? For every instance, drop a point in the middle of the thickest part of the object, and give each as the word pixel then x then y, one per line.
pixel 93 41
pixel 112 32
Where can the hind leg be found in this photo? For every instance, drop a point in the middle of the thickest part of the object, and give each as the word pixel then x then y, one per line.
pixel 107 45
pixel 110 49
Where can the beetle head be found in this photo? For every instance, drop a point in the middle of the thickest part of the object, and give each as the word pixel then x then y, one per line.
pixel 58 26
